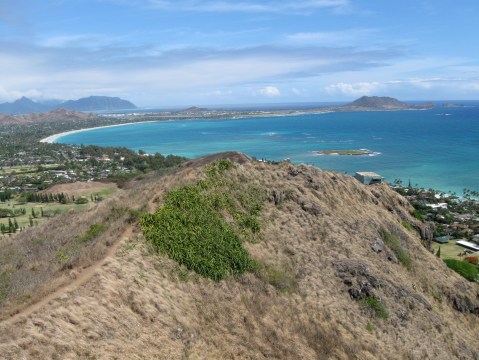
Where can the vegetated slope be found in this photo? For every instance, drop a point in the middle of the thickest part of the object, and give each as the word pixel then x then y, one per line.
pixel 92 103
pixel 338 275
pixel 22 106
pixel 378 102
pixel 54 115
pixel 368 103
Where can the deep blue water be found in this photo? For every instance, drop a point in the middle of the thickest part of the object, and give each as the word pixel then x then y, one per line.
pixel 430 148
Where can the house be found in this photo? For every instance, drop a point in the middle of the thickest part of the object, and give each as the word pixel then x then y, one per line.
pixel 442 239
pixel 369 178
pixel 468 245
pixel 437 206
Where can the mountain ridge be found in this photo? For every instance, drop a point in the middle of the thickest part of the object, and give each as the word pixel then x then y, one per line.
pixel 25 105
pixel 329 285
pixel 40 117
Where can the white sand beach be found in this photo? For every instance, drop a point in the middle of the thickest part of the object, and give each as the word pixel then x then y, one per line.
pixel 53 138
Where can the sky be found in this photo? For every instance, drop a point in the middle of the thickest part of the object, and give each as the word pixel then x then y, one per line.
pixel 185 52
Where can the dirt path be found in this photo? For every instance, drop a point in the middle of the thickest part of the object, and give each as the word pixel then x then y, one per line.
pixel 80 279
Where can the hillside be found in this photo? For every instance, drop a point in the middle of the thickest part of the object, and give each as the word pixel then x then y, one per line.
pixel 91 103
pixel 54 115
pixel 369 103
pixel 378 102
pixel 335 274
pixel 22 106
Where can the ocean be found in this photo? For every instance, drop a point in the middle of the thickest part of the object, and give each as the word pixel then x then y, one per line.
pixel 435 148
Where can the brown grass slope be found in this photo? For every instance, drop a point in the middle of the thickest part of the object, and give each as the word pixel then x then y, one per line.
pixel 316 247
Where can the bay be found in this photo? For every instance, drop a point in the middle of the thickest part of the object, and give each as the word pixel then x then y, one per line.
pixel 435 148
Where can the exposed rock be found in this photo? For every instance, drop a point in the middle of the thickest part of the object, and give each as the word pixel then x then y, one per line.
pixel 361 282
pixel 378 245
pixel 277 197
pixel 464 304
pixel 426 231
pixel 311 183
pixel 401 292
pixel 313 209
pixel 350 269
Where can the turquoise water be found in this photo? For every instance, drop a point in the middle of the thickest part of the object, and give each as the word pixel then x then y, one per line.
pixel 434 148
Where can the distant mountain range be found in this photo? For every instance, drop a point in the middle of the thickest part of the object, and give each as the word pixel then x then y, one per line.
pixel 92 103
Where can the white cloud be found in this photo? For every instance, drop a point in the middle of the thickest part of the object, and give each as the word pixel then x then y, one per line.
pixel 457 84
pixel 80 40
pixel 248 6
pixel 12 95
pixel 300 92
pixel 269 91
pixel 329 37
pixel 362 88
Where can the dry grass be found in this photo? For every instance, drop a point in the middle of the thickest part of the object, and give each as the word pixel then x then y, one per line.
pixel 139 305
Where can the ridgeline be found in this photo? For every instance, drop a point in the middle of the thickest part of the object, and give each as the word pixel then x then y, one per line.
pixel 285 262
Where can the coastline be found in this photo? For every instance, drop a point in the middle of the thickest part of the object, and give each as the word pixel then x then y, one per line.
pixel 282 113
pixel 52 138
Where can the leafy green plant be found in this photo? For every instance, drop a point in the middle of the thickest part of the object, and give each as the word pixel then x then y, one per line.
pixel 407 226
pixel 418 215
pixel 63 255
pixel 190 227
pixel 463 268
pixel 394 243
pixel 92 232
pixel 376 307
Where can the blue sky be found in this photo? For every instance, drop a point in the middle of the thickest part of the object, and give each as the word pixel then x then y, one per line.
pixel 187 52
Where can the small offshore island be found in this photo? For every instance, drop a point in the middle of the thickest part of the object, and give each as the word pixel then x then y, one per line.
pixel 360 152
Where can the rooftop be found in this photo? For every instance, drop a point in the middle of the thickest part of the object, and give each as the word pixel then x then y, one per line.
pixel 368 173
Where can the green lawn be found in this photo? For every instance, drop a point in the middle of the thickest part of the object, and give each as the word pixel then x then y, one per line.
pixel 449 250
pixel 24 169
pixel 105 192
pixel 48 208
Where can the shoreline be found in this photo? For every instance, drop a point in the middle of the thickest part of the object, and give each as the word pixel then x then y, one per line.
pixel 282 113
pixel 52 138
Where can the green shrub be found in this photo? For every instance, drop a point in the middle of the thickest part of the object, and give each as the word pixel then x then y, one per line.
pixel 463 268
pixel 81 200
pixel 407 226
pixel 92 232
pixel 282 278
pixel 189 230
pixel 190 227
pixel 394 243
pixel 418 215
pixel 377 307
